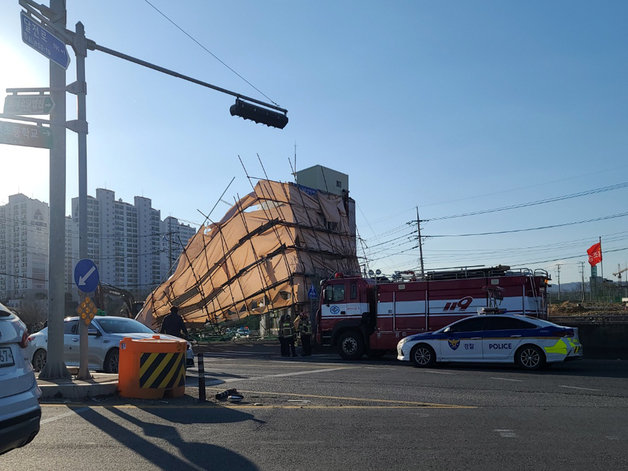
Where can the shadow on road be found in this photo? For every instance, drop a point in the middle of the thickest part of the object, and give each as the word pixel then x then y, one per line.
pixel 192 455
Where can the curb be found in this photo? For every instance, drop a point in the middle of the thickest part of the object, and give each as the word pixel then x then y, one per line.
pixel 78 390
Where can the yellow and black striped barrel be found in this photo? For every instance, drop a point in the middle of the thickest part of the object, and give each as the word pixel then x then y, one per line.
pixel 162 370
pixel 151 368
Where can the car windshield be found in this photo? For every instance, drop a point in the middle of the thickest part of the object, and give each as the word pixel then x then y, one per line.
pixel 122 325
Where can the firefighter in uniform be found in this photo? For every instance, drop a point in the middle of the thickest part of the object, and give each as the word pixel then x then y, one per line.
pixel 286 336
pixel 305 332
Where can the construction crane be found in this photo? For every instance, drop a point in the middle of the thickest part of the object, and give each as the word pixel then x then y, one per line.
pixel 619 272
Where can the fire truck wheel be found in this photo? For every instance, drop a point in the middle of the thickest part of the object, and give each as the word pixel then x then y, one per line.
pixel 351 345
pixel 423 356
pixel 530 357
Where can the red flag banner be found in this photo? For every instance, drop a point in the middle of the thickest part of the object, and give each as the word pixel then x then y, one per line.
pixel 595 254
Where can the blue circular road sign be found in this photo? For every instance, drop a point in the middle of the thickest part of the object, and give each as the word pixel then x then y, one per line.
pixel 86 275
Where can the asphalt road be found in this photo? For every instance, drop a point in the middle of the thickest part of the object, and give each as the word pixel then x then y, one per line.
pixel 322 413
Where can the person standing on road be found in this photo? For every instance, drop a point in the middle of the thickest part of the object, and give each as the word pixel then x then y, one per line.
pixel 286 336
pixel 173 324
pixel 305 332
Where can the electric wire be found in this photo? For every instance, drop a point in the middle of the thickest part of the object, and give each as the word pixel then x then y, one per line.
pixel 208 51
pixel 538 228
pixel 534 203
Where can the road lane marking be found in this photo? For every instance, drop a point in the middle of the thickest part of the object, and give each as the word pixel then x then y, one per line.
pixel 436 372
pixel 283 375
pixel 578 387
pixel 214 405
pixel 506 432
pixel 62 416
pixel 507 379
pixel 383 403
pixel 365 399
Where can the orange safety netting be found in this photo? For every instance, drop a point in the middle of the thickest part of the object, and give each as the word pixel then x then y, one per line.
pixel 265 254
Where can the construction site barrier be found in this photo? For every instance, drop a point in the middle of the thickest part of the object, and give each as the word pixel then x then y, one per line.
pixel 151 368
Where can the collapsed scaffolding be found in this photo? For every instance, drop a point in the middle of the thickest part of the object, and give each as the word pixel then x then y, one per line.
pixel 264 256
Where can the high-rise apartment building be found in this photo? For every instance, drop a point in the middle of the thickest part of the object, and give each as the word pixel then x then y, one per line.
pixel 125 240
pixel 174 238
pixel 128 243
pixel 24 224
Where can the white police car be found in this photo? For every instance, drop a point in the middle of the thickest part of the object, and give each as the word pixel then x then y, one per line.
pixel 493 338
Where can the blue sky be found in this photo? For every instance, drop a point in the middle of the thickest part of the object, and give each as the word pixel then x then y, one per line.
pixel 453 107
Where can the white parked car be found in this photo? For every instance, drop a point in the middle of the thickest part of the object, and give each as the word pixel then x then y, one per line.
pixel 104 335
pixel 19 394
pixel 526 341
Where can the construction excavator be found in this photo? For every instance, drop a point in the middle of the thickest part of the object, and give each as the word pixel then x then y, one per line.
pixel 130 307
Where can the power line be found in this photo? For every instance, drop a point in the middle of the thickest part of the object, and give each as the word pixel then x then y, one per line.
pixel 207 50
pixel 534 203
pixel 538 228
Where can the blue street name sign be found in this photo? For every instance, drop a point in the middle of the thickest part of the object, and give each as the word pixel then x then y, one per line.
pixel 43 41
pixel 86 275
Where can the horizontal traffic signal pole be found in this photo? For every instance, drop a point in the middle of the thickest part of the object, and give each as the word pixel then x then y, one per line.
pixel 241 108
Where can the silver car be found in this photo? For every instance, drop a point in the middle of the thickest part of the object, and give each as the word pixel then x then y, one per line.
pixel 19 394
pixel 104 335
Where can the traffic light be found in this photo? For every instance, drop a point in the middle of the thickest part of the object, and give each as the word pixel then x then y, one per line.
pixel 258 114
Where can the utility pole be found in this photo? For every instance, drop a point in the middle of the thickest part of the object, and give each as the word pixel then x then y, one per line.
pixel 79 87
pixel 558 268
pixel 601 260
pixel 55 367
pixel 170 252
pixel 582 274
pixel 418 226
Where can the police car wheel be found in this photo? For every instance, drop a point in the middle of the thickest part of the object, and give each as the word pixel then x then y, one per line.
pixel 530 357
pixel 423 356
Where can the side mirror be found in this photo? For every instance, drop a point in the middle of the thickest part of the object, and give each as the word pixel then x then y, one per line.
pixel 94 332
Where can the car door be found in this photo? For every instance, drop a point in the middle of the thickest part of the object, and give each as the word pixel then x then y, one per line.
pixel 96 347
pixel 463 340
pixel 71 342
pixel 502 337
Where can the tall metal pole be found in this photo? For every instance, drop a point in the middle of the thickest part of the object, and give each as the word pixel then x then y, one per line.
pixel 55 367
pixel 602 260
pixel 418 225
pixel 80 49
pixel 582 273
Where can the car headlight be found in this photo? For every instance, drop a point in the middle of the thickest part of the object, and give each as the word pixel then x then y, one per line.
pixel 402 342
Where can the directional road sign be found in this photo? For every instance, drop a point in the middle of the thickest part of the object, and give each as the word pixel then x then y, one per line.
pixel 312 293
pixel 43 41
pixel 86 275
pixel 28 104
pixel 28 135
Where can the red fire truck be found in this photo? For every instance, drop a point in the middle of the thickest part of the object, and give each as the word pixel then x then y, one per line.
pixel 362 315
